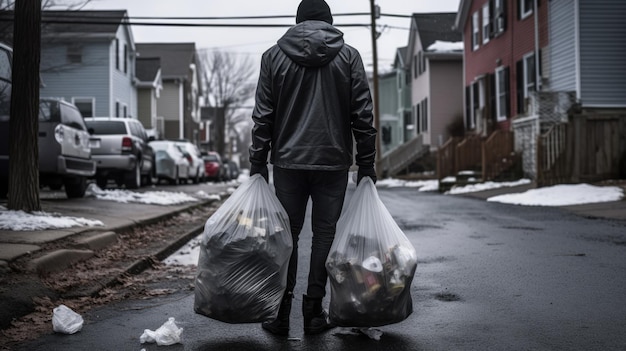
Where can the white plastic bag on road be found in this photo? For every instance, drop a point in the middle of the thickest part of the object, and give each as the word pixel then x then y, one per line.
pixel 167 334
pixel 66 321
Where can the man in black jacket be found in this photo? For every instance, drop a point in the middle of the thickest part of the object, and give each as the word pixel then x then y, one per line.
pixel 312 98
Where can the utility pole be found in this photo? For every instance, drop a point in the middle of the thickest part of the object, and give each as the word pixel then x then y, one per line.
pixel 373 14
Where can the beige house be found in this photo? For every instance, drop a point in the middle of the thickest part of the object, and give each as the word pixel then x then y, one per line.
pixel 435 62
pixel 149 87
pixel 178 109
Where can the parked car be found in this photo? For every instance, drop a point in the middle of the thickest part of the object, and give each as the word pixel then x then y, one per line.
pixel 64 153
pixel 191 152
pixel 233 169
pixel 120 148
pixel 214 168
pixel 170 163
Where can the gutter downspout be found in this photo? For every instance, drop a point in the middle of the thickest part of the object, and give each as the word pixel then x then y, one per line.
pixel 537 76
pixel 181 117
pixel 577 48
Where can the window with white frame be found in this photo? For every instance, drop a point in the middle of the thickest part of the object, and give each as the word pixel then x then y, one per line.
pixel 117 109
pixel 499 17
pixel 124 110
pixel 86 105
pixel 486 28
pixel 501 93
pixel 475 31
pixel 525 8
pixel 529 74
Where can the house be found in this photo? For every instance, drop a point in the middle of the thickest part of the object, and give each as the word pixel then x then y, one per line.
pixel 149 87
pixel 89 62
pixel 178 104
pixel 428 95
pixel 395 103
pixel 435 58
pixel 545 70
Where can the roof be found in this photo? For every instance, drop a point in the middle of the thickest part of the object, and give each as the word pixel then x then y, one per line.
pixel 175 57
pixel 147 68
pixel 90 21
pixel 436 26
pixel 400 56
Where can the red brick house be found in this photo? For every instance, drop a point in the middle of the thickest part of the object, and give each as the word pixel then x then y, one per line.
pixel 504 42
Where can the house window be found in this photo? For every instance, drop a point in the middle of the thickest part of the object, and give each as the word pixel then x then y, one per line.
pixel 117 109
pixel 499 17
pixel 529 74
pixel 117 53
pixel 525 8
pixel 501 93
pixel 86 105
pixel 418 117
pixel 124 110
pixel 486 28
pixel 425 115
pixel 125 58
pixel 415 68
pixel 74 53
pixel 475 31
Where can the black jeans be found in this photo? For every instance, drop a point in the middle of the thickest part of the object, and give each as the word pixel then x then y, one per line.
pixel 327 190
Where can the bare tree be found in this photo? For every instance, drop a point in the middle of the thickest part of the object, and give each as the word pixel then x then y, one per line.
pixel 23 147
pixel 227 86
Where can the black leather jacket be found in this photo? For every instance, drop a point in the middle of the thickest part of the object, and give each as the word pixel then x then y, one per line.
pixel 312 98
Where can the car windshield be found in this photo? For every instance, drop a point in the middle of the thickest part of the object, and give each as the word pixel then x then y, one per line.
pixel 106 127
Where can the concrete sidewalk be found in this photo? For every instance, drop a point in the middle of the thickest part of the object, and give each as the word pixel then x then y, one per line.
pixel 114 215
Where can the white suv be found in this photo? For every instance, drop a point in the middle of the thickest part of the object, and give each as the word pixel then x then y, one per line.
pixel 120 148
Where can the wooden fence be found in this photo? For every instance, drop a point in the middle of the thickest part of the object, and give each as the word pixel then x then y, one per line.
pixel 490 156
pixel 590 147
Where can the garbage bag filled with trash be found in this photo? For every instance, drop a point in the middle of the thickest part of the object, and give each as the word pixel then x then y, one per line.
pixel 371 264
pixel 244 256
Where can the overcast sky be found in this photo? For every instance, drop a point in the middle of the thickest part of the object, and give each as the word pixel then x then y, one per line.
pixel 253 41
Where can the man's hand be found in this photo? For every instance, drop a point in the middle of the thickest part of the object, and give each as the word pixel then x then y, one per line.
pixel 260 169
pixel 366 172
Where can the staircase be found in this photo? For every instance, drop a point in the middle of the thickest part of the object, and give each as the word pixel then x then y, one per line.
pixel 399 158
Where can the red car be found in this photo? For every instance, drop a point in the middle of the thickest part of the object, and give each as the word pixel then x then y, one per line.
pixel 214 168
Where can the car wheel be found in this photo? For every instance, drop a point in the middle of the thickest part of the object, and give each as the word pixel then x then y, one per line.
pixel 133 178
pixel 175 180
pixel 75 187
pixel 101 182
pixel 4 187
pixel 55 186
pixel 196 179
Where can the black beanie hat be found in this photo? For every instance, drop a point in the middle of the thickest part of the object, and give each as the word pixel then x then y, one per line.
pixel 314 10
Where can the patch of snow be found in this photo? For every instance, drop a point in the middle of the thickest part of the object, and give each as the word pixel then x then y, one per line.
pixel 22 221
pixel 485 186
pixel 562 195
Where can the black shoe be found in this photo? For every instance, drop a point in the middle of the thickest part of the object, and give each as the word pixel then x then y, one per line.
pixel 316 320
pixel 280 325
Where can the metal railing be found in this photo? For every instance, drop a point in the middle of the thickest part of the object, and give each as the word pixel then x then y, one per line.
pixel 401 157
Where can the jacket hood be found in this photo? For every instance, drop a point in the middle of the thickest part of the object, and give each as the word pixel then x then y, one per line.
pixel 312 43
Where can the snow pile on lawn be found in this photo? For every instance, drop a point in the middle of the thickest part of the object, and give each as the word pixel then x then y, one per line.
pixel 485 186
pixel 149 197
pixel 422 185
pixel 562 195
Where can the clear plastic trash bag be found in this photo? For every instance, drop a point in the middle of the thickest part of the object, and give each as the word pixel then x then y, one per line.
pixel 65 320
pixel 370 265
pixel 244 256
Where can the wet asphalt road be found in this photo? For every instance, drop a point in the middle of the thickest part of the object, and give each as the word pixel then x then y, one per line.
pixel 490 277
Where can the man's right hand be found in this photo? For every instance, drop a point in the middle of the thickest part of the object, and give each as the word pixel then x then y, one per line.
pixel 259 169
